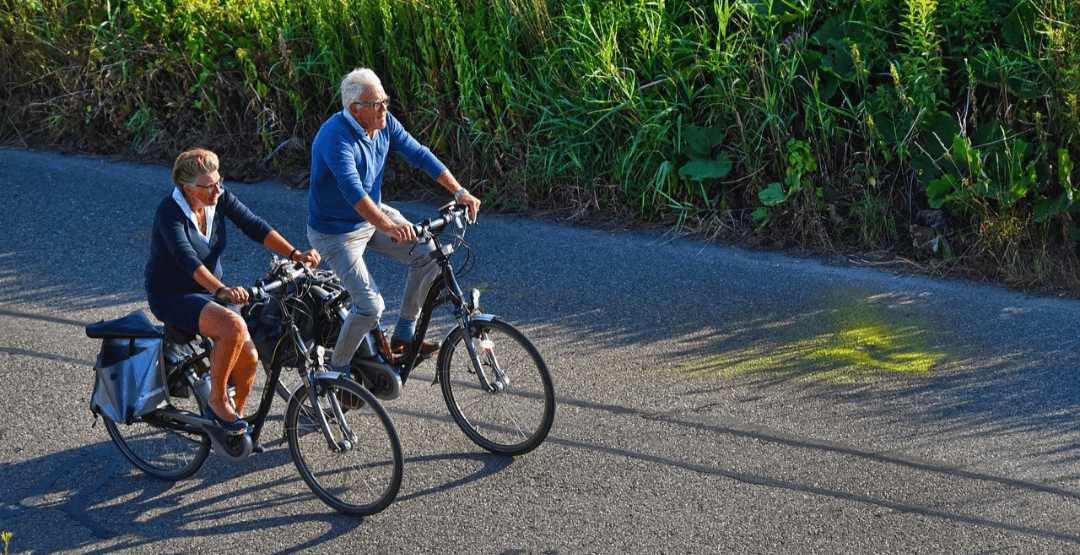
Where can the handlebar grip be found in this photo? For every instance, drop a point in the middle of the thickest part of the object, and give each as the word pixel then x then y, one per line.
pixel 449 212
pixel 262 291
pixel 418 230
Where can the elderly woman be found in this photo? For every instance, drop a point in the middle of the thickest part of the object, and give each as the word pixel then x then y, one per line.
pixel 184 280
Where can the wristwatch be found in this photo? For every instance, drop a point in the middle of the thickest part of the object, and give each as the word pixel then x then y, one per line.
pixel 460 192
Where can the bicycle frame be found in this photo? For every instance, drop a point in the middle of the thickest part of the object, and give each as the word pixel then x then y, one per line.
pixel 226 444
pixel 446 290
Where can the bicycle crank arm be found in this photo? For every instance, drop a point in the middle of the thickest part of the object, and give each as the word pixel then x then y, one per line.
pixel 233 447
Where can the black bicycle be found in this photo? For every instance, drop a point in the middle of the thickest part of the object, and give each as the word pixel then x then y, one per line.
pixel 494 381
pixel 340 436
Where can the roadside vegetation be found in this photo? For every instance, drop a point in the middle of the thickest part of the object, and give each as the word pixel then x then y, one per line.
pixel 929 136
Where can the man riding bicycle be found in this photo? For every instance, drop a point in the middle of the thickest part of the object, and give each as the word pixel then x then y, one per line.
pixel 346 215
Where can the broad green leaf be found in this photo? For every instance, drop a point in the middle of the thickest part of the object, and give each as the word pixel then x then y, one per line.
pixel 701 140
pixel 1047 208
pixel 773 194
pixel 700 170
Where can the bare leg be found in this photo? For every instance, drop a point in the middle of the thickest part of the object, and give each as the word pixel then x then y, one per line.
pixel 233 352
pixel 243 373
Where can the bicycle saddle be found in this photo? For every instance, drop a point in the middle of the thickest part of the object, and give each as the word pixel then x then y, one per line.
pixel 134 325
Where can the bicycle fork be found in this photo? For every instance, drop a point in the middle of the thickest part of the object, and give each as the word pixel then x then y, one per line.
pixel 487 347
pixel 313 382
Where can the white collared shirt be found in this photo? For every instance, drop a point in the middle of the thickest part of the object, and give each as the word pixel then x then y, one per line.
pixel 207 211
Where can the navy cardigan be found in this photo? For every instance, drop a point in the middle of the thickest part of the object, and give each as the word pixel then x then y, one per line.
pixel 176 250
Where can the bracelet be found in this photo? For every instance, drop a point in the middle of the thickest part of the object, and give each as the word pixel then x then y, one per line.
pixel 219 290
pixel 460 192
pixel 294 251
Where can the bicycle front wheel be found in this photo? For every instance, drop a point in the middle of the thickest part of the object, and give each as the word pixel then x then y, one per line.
pixel 163 449
pixel 511 414
pixel 357 469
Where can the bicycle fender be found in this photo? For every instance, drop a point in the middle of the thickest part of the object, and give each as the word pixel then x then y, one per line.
pixel 327 376
pixel 474 318
pixel 479 317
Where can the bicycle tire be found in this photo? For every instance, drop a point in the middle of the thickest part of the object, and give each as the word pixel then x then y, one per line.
pixel 510 421
pixel 159 448
pixel 365 478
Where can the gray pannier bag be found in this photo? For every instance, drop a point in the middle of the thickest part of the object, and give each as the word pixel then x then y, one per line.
pixel 130 369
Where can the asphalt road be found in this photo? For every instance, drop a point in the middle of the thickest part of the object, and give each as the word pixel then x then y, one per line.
pixel 711 400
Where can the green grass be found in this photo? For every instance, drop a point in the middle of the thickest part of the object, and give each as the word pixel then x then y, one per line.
pixel 838 122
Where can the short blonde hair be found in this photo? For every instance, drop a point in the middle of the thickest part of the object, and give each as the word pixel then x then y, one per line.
pixel 356 83
pixel 192 165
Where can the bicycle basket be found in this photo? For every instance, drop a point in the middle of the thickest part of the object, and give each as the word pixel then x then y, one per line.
pixel 130 379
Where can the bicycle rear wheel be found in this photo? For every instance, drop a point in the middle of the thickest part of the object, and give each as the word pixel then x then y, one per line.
pixel 360 472
pixel 166 450
pixel 516 417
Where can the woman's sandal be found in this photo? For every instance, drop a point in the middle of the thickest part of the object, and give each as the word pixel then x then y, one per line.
pixel 232 405
pixel 232 427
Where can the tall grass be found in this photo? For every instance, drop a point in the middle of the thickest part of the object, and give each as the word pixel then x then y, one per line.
pixel 938 130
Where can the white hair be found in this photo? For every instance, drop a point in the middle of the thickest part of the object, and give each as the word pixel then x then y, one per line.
pixel 356 83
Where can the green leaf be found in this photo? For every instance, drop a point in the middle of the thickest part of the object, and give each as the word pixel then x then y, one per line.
pixel 1019 25
pixel 773 194
pixel 939 190
pixel 1047 208
pixel 701 140
pixel 838 62
pixel 700 170
pixel 1065 169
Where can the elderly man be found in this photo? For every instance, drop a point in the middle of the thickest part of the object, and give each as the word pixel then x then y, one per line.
pixel 346 215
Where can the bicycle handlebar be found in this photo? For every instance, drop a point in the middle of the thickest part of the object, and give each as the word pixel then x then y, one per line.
pixel 265 290
pixel 448 213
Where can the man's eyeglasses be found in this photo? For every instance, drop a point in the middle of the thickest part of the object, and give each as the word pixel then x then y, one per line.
pixel 384 103
pixel 214 185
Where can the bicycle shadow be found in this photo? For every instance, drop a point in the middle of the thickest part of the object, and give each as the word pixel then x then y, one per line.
pixel 121 508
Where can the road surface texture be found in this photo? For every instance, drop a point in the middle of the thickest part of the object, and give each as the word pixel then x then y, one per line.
pixel 710 399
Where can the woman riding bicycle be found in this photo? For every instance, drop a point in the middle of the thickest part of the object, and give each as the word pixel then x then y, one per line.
pixel 184 285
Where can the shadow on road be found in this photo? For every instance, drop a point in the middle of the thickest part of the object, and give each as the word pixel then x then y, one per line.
pixel 122 508
pixel 773 438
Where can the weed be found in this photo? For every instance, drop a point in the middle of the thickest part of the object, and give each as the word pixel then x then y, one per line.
pixel 741 120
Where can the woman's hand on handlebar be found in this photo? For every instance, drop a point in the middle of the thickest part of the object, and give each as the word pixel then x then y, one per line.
pixel 234 295
pixel 311 258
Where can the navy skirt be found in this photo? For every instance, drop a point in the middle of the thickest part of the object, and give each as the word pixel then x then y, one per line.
pixel 182 309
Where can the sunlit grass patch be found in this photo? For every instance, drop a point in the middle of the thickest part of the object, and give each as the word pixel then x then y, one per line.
pixel 858 339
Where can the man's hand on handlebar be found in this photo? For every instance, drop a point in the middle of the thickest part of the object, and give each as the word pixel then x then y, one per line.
pixel 402 233
pixel 472 204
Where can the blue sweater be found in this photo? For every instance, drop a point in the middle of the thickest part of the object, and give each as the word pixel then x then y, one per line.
pixel 346 166
pixel 176 250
